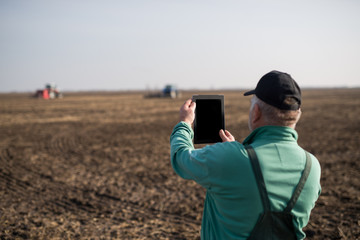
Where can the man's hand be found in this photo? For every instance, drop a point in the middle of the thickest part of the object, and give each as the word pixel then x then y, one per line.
pixel 187 112
pixel 226 136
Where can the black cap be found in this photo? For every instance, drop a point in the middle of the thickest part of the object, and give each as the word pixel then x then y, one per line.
pixel 274 87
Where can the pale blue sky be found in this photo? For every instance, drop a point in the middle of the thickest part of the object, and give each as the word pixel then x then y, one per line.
pixel 128 45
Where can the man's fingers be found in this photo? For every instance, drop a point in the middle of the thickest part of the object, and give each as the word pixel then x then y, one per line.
pixel 187 111
pixel 192 105
pixel 223 136
pixel 226 136
pixel 187 104
pixel 229 135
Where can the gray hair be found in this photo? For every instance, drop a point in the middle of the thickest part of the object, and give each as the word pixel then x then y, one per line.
pixel 275 116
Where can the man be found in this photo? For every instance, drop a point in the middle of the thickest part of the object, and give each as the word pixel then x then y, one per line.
pixel 233 203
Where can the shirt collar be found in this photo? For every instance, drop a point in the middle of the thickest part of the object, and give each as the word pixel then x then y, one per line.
pixel 274 133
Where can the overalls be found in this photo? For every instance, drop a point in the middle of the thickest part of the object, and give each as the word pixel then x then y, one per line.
pixel 275 225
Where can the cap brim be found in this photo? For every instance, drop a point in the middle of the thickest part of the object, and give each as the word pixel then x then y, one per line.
pixel 249 93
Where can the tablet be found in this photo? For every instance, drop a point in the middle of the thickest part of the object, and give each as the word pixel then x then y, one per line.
pixel 209 118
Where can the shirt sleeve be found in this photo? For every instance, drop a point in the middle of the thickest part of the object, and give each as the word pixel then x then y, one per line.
pixel 184 158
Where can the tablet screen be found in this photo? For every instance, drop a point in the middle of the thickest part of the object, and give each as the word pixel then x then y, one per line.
pixel 209 118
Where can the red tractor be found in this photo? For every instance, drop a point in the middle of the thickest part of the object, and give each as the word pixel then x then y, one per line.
pixel 49 92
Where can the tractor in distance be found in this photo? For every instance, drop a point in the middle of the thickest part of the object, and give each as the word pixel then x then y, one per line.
pixel 169 91
pixel 49 92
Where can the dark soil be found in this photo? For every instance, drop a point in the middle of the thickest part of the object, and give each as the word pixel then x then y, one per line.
pixel 97 165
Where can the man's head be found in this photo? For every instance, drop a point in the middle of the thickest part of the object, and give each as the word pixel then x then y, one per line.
pixel 276 102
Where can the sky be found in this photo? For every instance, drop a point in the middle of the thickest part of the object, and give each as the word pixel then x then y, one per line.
pixel 195 44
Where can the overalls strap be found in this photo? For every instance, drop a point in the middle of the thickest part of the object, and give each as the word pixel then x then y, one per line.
pixel 271 224
pixel 261 183
pixel 300 185
pixel 259 177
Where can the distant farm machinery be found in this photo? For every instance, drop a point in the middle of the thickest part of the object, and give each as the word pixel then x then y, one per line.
pixel 49 92
pixel 169 91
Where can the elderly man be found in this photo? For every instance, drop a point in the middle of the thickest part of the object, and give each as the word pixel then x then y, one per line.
pixel 262 188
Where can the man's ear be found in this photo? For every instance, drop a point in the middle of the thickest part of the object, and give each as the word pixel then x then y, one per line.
pixel 256 118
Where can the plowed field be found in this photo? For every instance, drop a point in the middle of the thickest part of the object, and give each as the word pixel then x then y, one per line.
pixel 97 165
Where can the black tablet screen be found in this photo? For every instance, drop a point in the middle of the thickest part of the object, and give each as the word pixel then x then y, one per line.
pixel 209 119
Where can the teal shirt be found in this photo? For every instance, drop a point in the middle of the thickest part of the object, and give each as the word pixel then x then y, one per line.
pixel 232 204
